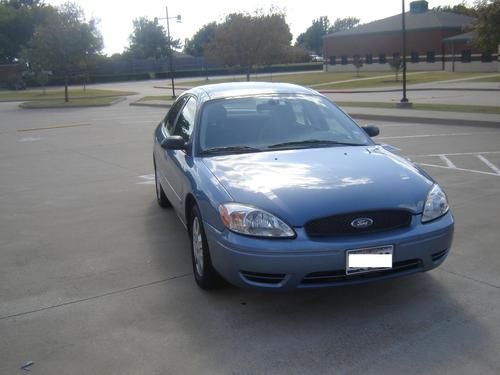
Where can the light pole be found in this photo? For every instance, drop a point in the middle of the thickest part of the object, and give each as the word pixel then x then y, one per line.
pixel 170 51
pixel 404 99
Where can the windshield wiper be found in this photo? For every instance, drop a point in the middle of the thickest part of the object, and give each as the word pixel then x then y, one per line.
pixel 314 142
pixel 218 150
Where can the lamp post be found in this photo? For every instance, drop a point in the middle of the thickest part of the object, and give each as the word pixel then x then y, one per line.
pixel 170 51
pixel 404 99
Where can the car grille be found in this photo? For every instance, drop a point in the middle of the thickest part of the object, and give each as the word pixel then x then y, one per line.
pixel 340 225
pixel 339 276
pixel 263 278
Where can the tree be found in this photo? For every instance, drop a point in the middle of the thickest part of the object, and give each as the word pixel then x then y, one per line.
pixel 358 63
pixel 248 41
pixel 149 39
pixel 63 42
pixel 487 26
pixel 341 24
pixel 459 9
pixel 196 45
pixel 18 20
pixel 396 65
pixel 312 38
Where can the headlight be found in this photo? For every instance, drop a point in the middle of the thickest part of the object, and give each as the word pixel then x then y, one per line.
pixel 253 222
pixel 436 204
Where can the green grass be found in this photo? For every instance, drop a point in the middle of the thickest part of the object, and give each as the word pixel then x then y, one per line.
pixel 76 102
pixel 52 94
pixel 427 107
pixel 333 80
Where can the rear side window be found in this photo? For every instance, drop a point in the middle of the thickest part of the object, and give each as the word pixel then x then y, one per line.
pixel 172 114
pixel 185 123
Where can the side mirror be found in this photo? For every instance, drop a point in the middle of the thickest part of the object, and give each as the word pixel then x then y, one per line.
pixel 173 142
pixel 371 130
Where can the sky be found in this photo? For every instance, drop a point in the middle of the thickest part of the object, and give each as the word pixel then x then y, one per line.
pixel 116 15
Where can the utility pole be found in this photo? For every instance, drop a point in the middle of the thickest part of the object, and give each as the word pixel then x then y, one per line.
pixel 404 99
pixel 170 50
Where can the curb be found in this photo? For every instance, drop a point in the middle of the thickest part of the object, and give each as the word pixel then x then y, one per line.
pixel 425 120
pixel 115 101
pixel 399 90
pixel 146 104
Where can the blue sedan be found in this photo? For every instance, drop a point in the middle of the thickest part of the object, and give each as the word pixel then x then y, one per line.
pixel 280 189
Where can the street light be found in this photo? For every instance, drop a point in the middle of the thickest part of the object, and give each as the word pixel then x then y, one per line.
pixel 404 99
pixel 170 59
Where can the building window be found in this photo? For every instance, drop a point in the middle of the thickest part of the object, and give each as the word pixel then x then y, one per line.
pixel 415 57
pixel 431 57
pixel 486 57
pixel 466 56
pixel 343 60
pixel 333 60
pixel 369 58
pixel 396 56
pixel 381 58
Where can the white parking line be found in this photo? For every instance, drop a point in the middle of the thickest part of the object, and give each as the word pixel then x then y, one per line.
pixel 148 179
pixel 430 135
pixel 458 154
pixel 459 169
pixel 448 162
pixel 492 166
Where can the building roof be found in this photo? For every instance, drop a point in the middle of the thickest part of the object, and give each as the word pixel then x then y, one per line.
pixel 414 21
pixel 460 37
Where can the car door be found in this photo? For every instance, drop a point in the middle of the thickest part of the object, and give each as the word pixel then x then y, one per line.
pixel 166 129
pixel 179 161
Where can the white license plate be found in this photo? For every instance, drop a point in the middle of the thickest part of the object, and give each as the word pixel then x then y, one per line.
pixel 369 259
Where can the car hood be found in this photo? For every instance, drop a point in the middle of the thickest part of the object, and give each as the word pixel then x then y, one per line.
pixel 304 184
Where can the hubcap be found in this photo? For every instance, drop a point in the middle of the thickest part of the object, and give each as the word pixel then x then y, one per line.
pixel 197 247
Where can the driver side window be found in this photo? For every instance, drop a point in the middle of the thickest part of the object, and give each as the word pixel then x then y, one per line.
pixel 169 121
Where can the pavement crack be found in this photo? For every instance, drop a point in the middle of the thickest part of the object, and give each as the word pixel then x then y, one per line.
pixel 470 278
pixel 114 292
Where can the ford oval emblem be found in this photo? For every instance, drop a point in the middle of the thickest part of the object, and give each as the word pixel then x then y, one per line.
pixel 362 222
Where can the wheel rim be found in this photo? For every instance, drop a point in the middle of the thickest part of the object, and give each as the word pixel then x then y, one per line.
pixel 197 247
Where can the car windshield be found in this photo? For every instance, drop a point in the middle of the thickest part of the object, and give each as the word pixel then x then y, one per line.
pixel 260 123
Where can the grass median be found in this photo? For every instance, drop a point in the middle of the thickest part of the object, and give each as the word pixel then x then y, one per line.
pixel 426 107
pixel 350 80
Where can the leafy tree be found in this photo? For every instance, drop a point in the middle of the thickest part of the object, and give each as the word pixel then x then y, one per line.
pixel 459 9
pixel 487 25
pixel 149 39
pixel 248 41
pixel 312 38
pixel 341 24
pixel 18 19
pixel 63 42
pixel 196 45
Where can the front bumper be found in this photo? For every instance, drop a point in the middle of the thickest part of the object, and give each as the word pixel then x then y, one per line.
pixel 310 263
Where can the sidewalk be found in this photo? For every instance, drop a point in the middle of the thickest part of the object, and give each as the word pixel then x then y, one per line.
pixel 425 117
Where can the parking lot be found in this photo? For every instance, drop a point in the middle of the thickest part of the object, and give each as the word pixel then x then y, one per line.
pixel 95 278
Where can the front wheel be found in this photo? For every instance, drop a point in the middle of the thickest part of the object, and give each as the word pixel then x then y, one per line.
pixel 204 273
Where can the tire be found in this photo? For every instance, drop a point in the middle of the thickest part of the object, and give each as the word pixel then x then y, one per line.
pixel 205 274
pixel 160 194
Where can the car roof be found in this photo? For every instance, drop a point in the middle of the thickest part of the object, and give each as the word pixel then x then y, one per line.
pixel 238 89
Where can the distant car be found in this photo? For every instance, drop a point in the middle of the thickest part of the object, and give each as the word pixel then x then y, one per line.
pixel 316 58
pixel 280 189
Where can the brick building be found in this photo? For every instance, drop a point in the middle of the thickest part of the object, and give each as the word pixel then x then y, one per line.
pixel 435 41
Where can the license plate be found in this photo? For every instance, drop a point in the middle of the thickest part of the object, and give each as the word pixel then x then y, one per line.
pixel 369 259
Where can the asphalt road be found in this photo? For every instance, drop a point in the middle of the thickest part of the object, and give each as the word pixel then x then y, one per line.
pixel 95 278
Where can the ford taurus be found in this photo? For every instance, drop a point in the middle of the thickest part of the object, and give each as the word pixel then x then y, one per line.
pixel 280 189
